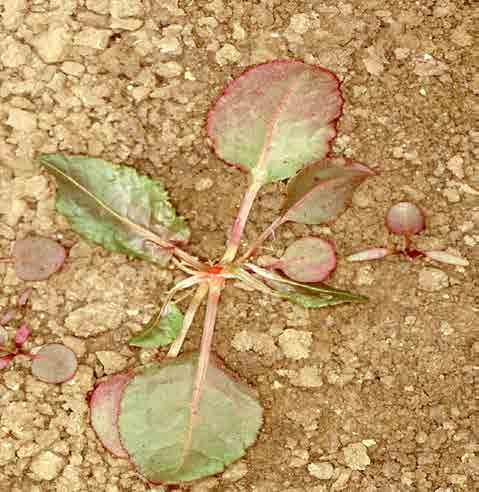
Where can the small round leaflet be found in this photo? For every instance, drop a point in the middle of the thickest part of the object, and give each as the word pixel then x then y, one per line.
pixel 405 219
pixel 166 441
pixel 310 259
pixel 104 411
pixel 54 363
pixel 36 257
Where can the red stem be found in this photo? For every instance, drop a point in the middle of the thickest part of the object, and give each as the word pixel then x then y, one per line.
pixel 261 239
pixel 240 223
pixel 214 293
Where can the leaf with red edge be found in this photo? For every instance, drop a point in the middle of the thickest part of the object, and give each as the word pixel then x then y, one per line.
pixel 165 441
pixel 6 360
pixel 309 259
pixel 22 335
pixel 104 412
pixel 36 257
pixel 276 118
pixel 405 219
pixel 54 363
pixel 323 190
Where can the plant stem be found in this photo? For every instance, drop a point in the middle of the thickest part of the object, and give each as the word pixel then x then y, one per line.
pixel 183 284
pixel 261 239
pixel 240 222
pixel 188 319
pixel 190 260
pixel 214 293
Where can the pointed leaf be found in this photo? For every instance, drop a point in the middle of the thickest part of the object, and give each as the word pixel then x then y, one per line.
pixel 161 438
pixel 315 296
pixel 405 219
pixel 54 363
pixel 309 259
pixel 307 295
pixel 115 206
pixel 36 257
pixel 160 330
pixel 369 254
pixel 22 335
pixel 276 118
pixel 104 412
pixel 323 190
pixel 445 257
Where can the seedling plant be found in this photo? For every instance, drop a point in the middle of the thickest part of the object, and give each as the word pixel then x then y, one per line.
pixel 406 219
pixel 185 417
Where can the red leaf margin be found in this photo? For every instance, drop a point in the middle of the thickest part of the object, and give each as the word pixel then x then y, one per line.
pixel 231 85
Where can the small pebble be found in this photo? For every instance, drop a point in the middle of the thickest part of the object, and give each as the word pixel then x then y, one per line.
pixel 323 471
pixel 433 279
pixel 203 184
pixel 356 456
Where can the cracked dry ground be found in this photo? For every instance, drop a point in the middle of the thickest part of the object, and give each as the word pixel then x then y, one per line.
pixel 375 397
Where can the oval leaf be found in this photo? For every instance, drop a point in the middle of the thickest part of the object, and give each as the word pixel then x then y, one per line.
pixel 310 259
pixel 323 190
pixel 276 118
pixel 115 206
pixel 104 412
pixel 164 442
pixel 445 257
pixel 160 330
pixel 54 363
pixel 369 254
pixel 405 219
pixel 36 257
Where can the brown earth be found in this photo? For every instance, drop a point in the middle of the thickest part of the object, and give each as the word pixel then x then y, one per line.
pixel 383 398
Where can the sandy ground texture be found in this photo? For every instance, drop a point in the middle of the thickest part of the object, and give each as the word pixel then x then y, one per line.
pixel 375 397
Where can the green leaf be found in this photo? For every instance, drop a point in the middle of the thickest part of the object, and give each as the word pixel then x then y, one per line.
pixel 160 330
pixel 323 190
pixel 313 295
pixel 116 207
pixel 161 437
pixel 276 118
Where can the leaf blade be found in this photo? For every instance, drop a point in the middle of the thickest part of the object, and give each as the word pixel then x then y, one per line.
pixel 154 413
pixel 310 259
pixel 160 330
pixel 116 207
pixel 314 295
pixel 323 190
pixel 276 118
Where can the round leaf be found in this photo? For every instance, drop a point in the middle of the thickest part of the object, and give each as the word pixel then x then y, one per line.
pixel 54 363
pixel 170 445
pixel 405 219
pixel 36 258
pixel 310 259
pixel 275 118
pixel 104 411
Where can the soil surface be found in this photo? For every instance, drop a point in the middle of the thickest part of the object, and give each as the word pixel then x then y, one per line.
pixel 373 397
